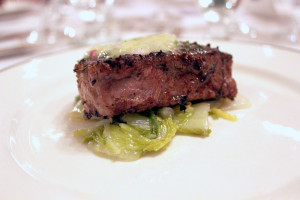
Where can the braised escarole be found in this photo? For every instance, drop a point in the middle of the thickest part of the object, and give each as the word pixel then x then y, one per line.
pixel 129 136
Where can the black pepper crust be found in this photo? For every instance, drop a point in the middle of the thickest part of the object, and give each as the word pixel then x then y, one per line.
pixel 134 83
pixel 184 49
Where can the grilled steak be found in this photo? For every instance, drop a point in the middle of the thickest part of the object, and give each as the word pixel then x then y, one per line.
pixel 134 83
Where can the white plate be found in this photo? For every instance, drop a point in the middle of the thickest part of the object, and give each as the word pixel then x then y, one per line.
pixel 257 157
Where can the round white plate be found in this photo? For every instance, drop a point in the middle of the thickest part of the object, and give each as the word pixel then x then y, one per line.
pixel 257 157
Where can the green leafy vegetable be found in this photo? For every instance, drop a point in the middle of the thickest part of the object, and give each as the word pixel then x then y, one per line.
pixel 77 98
pixel 128 141
pixel 129 136
pixel 77 112
pixel 217 113
pixel 197 123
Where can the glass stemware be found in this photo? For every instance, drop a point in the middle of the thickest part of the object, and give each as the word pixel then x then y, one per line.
pixel 73 22
pixel 291 9
pixel 218 15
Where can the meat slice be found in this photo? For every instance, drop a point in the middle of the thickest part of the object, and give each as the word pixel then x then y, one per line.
pixel 134 83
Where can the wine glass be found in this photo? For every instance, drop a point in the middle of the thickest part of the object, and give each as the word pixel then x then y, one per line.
pixel 218 16
pixel 73 22
pixel 291 9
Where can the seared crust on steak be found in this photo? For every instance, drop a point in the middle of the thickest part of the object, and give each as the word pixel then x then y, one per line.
pixel 134 83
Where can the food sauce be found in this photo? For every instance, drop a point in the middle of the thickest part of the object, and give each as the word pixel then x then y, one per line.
pixel 141 45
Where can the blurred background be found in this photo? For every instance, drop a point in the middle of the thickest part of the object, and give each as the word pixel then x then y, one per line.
pixel 30 28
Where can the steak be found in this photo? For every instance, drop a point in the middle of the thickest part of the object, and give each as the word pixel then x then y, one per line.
pixel 134 83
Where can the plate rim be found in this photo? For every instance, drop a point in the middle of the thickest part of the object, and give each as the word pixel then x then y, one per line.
pixel 207 41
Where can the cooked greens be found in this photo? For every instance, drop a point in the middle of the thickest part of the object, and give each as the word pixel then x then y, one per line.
pixel 129 140
pixel 129 136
